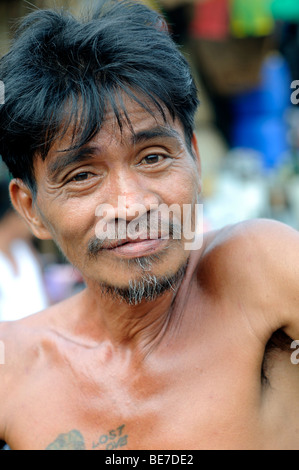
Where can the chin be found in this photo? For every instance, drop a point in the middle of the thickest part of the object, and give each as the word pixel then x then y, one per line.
pixel 146 286
pixel 118 272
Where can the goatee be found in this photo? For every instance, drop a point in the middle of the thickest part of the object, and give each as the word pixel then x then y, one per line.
pixel 146 288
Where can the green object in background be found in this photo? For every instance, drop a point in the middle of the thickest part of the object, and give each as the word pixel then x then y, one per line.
pixel 251 18
pixel 4 175
pixel 287 10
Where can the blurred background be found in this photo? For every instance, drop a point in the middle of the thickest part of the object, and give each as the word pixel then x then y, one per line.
pixel 245 58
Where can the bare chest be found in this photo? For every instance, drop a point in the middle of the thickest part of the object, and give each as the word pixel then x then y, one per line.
pixel 196 398
pixel 195 405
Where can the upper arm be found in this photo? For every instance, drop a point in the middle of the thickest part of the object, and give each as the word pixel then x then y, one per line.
pixel 273 259
pixel 258 270
pixel 284 274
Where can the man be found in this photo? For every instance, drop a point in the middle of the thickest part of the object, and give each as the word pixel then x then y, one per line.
pixel 169 347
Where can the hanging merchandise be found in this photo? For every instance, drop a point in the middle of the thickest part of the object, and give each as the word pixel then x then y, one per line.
pixel 259 115
pixel 287 10
pixel 289 46
pixel 233 65
pixel 251 18
pixel 211 20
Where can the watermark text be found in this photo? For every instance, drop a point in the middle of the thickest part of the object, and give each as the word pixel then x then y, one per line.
pixel 136 221
pixel 295 94
pixel 295 354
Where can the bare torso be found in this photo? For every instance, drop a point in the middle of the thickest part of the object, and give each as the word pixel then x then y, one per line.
pixel 211 383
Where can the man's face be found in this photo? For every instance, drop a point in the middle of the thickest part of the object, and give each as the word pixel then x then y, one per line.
pixel 149 167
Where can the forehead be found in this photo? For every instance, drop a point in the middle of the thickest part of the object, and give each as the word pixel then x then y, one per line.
pixel 132 118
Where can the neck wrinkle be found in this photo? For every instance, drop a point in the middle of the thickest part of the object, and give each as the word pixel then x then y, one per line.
pixel 142 327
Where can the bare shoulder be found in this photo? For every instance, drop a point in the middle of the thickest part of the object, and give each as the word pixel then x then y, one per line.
pixel 253 244
pixel 18 340
pixel 244 234
pixel 25 348
pixel 14 348
pixel 256 264
pixel 22 341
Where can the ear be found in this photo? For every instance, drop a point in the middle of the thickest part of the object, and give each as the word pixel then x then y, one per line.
pixel 195 150
pixel 24 203
pixel 196 155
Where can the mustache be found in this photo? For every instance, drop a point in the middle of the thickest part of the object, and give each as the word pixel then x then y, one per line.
pixel 118 233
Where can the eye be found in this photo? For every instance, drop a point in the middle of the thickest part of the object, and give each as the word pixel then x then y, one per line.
pixel 81 176
pixel 152 159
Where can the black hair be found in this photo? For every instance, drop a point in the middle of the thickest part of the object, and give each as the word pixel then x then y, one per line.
pixel 62 70
pixel 5 204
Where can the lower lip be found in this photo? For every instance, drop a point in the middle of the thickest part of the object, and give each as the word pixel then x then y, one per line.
pixel 145 247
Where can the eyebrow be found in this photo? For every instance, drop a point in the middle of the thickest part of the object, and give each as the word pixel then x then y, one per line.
pixel 156 132
pixel 72 157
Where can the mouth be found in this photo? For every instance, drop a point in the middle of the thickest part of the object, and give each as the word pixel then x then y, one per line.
pixel 130 248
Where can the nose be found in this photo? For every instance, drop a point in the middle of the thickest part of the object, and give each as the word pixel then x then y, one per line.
pixel 131 197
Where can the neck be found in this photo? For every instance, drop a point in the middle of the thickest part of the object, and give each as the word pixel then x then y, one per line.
pixel 142 326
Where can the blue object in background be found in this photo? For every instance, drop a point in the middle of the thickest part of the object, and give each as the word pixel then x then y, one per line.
pixel 259 115
pixel 265 134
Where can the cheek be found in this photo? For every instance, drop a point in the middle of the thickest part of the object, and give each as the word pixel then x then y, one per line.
pixel 71 224
pixel 181 195
pixel 184 188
